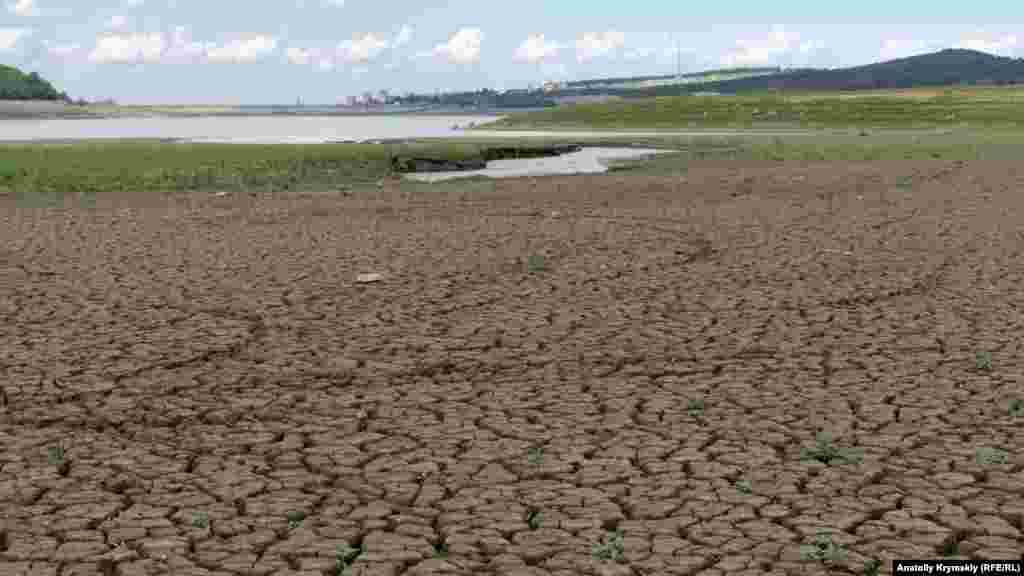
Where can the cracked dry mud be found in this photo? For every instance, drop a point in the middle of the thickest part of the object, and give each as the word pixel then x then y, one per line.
pixel 229 400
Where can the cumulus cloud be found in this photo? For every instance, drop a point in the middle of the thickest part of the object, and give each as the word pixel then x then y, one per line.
pixel 596 44
pixel 403 37
pixel 184 49
pixel 536 49
pixel 117 22
pixel 242 50
pixel 309 56
pixel 9 37
pixel 894 48
pixel 361 49
pixel 462 48
pixel 23 7
pixel 1005 45
pixel 63 51
pixel 128 48
pixel 780 45
pixel 176 47
pixel 298 56
pixel 641 53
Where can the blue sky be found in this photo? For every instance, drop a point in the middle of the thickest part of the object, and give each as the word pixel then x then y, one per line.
pixel 270 51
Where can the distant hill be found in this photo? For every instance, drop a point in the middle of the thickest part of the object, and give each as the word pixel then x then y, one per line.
pixel 16 85
pixel 670 78
pixel 943 68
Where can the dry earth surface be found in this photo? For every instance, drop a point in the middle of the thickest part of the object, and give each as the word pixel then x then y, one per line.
pixel 230 400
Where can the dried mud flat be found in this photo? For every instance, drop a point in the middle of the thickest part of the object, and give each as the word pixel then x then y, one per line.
pixel 229 400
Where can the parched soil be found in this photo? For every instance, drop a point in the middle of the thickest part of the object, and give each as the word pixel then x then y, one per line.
pixel 230 400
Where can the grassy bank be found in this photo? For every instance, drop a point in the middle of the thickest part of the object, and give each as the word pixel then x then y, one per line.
pixel 831 148
pixel 154 166
pixel 39 109
pixel 143 166
pixel 985 109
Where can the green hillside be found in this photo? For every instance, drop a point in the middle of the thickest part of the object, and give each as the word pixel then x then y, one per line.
pixel 950 67
pixel 16 85
pixel 986 108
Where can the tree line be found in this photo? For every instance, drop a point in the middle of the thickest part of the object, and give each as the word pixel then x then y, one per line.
pixel 16 85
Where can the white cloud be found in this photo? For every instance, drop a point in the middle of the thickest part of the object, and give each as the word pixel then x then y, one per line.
pixel 642 53
pixel 403 37
pixel 894 48
pixel 128 48
pixel 10 36
pixel 64 51
pixel 184 49
pixel 132 3
pixel 176 47
pixel 117 22
pixel 1005 45
pixel 463 47
pixel 536 49
pixel 596 44
pixel 298 56
pixel 242 50
pixel 361 49
pixel 338 3
pixel 780 47
pixel 23 7
pixel 321 59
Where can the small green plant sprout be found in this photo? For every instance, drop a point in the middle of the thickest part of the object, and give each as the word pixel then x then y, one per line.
pixel 827 453
pixel 534 519
pixel 983 360
pixel 695 407
pixel 55 455
pixel 823 549
pixel 535 455
pixel 536 263
pixel 744 486
pixel 872 568
pixel 201 520
pixel 8 170
pixel 612 548
pixel 87 199
pixel 1017 407
pixel 988 456
pixel 295 519
pixel 344 556
pixel 951 548
pixel 440 550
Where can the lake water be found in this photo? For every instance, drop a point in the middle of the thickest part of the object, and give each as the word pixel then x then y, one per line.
pixel 240 129
pixel 316 129
pixel 289 129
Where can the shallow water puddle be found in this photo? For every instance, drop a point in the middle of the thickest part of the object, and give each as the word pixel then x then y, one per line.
pixel 585 161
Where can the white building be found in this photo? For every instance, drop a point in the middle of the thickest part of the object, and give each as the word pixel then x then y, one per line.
pixel 551 85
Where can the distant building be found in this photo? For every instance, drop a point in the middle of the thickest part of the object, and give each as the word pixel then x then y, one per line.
pixel 585 99
pixel 551 85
